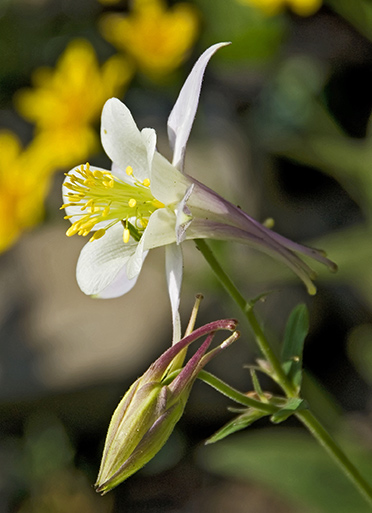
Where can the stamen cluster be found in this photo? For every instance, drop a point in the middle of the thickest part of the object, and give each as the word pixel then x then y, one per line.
pixel 105 198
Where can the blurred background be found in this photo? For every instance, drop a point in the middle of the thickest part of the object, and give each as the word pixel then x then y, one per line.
pixel 283 130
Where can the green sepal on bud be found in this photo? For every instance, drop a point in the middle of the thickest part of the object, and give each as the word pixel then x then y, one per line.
pixel 150 409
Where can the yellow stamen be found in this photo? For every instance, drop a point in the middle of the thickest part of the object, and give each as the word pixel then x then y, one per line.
pixel 87 169
pixel 129 170
pixel 146 182
pixel 98 234
pixel 132 203
pixel 108 183
pixel 106 211
pixel 157 204
pixel 269 223
pixel 72 230
pixel 126 235
pixel 88 204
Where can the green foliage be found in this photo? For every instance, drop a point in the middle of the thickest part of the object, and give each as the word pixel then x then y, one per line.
pixel 256 37
pixel 294 338
pixel 250 415
pixel 238 423
pixel 292 406
pixel 290 463
pixel 360 350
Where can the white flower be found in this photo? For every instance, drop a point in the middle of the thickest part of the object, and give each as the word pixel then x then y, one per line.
pixel 145 202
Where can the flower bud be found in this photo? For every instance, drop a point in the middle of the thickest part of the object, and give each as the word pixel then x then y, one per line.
pixel 148 412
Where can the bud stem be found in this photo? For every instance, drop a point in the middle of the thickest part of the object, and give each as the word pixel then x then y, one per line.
pixel 234 394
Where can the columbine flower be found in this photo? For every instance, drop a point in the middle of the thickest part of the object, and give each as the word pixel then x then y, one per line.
pixel 64 103
pixel 148 412
pixel 300 7
pixel 156 37
pixel 145 202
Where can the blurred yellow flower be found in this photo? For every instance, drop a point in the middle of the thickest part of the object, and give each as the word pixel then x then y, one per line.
pixel 65 102
pixel 156 38
pixel 300 7
pixel 24 183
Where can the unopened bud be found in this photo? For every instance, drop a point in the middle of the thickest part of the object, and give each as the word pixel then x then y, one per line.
pixel 148 412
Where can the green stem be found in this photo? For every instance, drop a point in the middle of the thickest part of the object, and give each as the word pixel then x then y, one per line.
pixel 247 310
pixel 326 441
pixel 234 394
pixel 305 416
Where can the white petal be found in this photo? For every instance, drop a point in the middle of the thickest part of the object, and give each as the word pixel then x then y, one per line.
pixel 183 113
pixel 120 173
pixel 120 286
pixel 168 185
pixel 149 139
pixel 135 262
pixel 101 261
pixel 123 142
pixel 174 271
pixel 161 229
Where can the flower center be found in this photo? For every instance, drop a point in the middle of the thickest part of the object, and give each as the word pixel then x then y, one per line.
pixel 105 198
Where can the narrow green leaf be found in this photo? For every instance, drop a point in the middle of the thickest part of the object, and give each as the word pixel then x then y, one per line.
pixel 261 297
pixel 294 337
pixel 294 404
pixel 236 424
pixel 257 386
